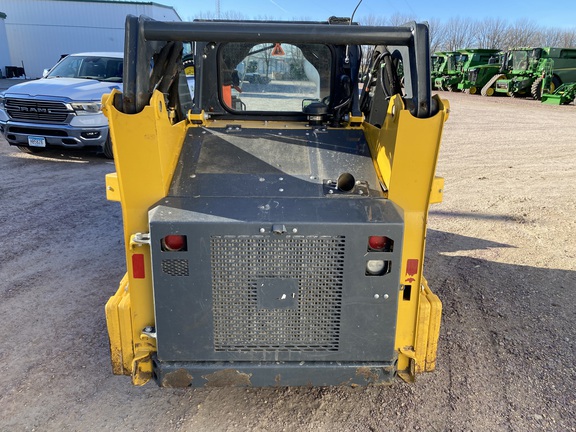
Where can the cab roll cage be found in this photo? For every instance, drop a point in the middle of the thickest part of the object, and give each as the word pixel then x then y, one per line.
pixel 146 38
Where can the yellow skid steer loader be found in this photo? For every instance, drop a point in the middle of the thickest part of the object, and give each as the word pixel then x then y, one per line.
pixel 275 186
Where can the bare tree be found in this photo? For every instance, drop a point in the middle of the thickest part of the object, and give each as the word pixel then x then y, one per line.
pixel 204 15
pixel 523 33
pixel 557 38
pixel 398 19
pixel 437 34
pixel 490 33
pixel 568 39
pixel 372 20
pixel 267 18
pixel 225 15
pixel 458 34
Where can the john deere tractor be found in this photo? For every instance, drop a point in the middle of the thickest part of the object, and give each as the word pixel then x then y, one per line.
pixel 457 71
pixel 476 77
pixel 444 63
pixel 523 72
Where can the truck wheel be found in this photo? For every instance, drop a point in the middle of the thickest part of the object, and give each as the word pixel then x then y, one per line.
pixel 30 150
pixel 472 90
pixel 107 151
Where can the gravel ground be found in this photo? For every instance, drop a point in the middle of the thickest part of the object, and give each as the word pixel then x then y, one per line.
pixel 499 255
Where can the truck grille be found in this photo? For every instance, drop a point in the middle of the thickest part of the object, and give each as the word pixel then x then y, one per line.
pixel 33 110
pixel 315 268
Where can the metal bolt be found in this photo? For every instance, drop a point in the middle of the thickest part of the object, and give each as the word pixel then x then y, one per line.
pixel 281 190
pixel 330 191
pixel 148 329
pixel 193 176
pixel 294 230
pixel 386 296
pixel 376 296
pixel 281 178
pixel 262 179
pixel 262 230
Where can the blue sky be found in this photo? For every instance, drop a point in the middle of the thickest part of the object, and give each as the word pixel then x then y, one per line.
pixel 559 13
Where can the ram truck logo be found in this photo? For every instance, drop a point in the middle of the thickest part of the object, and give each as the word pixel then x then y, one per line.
pixel 32 110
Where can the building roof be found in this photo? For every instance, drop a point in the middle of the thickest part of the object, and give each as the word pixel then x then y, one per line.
pixel 146 3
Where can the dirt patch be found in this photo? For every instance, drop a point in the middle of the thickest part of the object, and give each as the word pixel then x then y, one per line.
pixel 500 255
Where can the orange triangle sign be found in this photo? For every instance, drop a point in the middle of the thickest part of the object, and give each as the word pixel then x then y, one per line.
pixel 277 50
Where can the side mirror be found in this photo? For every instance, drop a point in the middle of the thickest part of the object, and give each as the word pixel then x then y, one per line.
pixel 45 73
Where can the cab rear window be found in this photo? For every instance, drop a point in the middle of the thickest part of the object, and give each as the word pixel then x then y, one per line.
pixel 273 77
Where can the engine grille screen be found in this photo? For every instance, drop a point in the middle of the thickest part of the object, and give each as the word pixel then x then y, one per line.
pixel 277 293
pixel 175 267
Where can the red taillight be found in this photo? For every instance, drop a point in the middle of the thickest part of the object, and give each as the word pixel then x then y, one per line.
pixel 377 242
pixel 138 267
pixel 174 242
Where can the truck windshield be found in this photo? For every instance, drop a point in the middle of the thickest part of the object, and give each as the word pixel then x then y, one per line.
pixel 273 76
pixel 89 67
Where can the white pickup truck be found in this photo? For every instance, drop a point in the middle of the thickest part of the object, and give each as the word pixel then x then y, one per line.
pixel 63 109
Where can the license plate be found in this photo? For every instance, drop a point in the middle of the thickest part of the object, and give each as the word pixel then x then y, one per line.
pixel 36 141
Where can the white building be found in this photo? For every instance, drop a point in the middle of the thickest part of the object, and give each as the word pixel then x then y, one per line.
pixel 4 51
pixel 39 32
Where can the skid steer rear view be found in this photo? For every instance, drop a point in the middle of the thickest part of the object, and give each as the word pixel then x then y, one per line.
pixel 275 215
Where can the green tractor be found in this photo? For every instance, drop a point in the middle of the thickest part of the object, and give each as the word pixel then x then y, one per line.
pixel 443 63
pixel 476 77
pixel 524 70
pixel 465 59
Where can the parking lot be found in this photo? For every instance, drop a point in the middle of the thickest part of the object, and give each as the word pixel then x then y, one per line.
pixel 500 254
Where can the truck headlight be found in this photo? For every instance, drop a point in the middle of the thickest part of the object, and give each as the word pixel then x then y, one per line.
pixel 87 108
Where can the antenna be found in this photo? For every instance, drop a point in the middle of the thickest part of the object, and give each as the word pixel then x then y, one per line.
pixel 347 59
pixel 354 13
